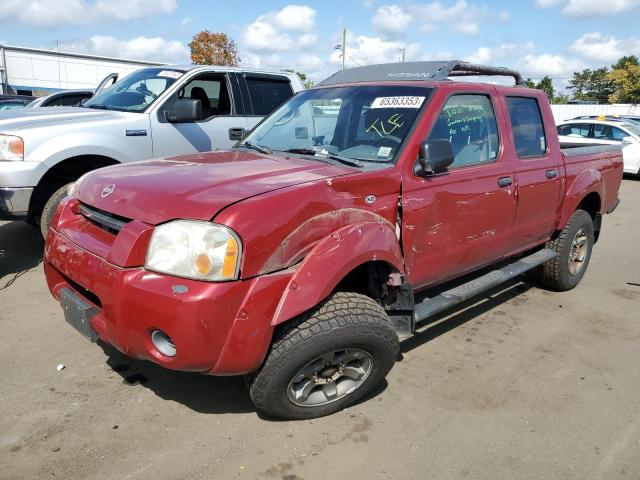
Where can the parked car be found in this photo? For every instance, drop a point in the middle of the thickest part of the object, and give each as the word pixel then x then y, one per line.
pixel 299 256
pixel 10 102
pixel 67 98
pixel 587 131
pixel 154 112
pixel 633 119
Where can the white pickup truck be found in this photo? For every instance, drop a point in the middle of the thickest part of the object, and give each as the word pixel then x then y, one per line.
pixel 154 112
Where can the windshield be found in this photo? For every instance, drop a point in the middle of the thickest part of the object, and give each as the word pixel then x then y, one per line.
pixel 633 127
pixel 363 123
pixel 135 92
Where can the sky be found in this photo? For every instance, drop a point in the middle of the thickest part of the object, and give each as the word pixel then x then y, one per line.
pixel 537 37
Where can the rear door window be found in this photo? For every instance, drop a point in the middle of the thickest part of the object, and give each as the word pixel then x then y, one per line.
pixel 574 130
pixel 268 93
pixel 527 127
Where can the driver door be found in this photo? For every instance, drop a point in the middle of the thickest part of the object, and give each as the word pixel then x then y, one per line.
pixel 215 131
pixel 462 219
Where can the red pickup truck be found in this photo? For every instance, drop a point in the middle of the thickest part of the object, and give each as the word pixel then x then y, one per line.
pixel 303 255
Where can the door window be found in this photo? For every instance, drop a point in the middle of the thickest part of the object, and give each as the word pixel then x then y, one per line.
pixel 527 127
pixel 618 134
pixel 469 123
pixel 212 92
pixel 267 94
pixel 574 130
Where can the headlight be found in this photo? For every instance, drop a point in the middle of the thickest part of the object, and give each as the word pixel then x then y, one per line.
pixel 193 249
pixel 11 148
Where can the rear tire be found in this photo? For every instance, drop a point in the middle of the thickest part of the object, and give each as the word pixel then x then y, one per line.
pixel 50 208
pixel 326 360
pixel 573 247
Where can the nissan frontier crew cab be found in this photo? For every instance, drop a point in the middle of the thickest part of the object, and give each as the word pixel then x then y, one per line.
pixel 154 112
pixel 302 256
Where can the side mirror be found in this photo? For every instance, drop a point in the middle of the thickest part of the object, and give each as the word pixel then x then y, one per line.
pixel 628 139
pixel 184 110
pixel 434 157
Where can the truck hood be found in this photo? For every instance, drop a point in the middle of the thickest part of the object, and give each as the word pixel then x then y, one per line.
pixel 195 186
pixel 26 118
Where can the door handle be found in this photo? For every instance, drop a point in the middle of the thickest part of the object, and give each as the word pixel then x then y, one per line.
pixel 505 182
pixel 237 133
pixel 552 173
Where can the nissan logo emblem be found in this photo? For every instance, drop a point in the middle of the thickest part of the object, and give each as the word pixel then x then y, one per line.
pixel 108 190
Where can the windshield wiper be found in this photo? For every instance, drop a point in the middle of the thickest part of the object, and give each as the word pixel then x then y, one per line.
pixel 258 148
pixel 99 106
pixel 325 154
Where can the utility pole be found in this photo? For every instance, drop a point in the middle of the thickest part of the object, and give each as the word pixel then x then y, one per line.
pixel 344 46
pixel 402 52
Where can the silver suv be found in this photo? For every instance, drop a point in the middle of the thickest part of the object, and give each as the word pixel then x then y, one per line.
pixel 154 112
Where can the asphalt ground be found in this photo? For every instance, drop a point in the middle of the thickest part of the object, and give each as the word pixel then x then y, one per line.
pixel 521 384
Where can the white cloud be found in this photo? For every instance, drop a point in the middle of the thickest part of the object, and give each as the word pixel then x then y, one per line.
pixel 555 66
pixel 40 13
pixel 491 55
pixel 391 20
pixel 605 48
pixel 460 17
pixel 139 48
pixel 590 8
pixel 281 31
pixel 363 50
pixel 296 18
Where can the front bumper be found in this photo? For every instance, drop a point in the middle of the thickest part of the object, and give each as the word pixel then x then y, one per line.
pixel 14 202
pixel 218 328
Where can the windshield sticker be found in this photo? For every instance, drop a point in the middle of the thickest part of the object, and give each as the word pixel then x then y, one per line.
pixel 397 102
pixel 170 74
pixel 383 152
pixel 386 126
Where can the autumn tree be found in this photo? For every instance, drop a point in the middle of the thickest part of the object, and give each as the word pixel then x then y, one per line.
pixel 209 48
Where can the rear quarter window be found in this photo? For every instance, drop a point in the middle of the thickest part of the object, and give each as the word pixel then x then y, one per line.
pixel 267 94
pixel 527 127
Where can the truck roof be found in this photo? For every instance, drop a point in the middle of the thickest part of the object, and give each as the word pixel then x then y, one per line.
pixel 224 68
pixel 418 71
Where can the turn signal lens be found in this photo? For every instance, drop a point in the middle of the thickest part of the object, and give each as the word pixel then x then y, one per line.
pixel 17 147
pixel 230 258
pixel 11 148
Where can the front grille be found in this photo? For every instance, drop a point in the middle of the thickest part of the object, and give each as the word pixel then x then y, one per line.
pixel 104 220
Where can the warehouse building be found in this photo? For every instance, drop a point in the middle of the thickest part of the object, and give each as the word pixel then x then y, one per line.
pixel 34 71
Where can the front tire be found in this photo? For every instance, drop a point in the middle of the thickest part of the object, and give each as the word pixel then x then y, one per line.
pixel 50 208
pixel 573 247
pixel 326 360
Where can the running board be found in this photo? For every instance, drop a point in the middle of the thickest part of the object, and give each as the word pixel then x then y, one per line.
pixel 461 293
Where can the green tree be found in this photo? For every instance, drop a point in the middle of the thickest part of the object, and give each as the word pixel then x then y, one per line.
pixel 546 85
pixel 579 84
pixel 600 86
pixel 308 83
pixel 209 48
pixel 622 63
pixel 529 83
